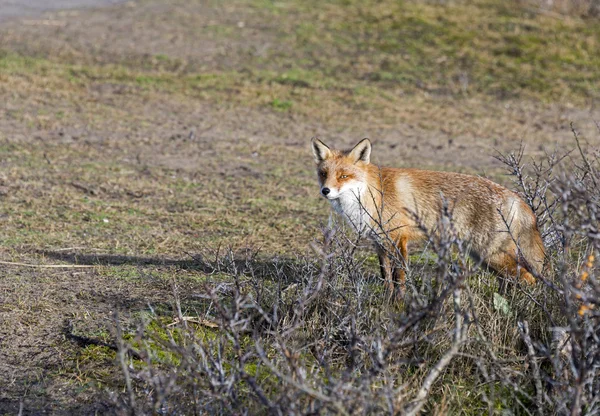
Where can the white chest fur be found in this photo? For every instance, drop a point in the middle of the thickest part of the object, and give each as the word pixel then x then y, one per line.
pixel 349 206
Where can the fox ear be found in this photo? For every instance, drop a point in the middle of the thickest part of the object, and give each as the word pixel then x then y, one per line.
pixel 361 152
pixel 320 150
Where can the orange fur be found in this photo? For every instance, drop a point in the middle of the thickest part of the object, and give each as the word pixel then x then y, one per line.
pixel 395 206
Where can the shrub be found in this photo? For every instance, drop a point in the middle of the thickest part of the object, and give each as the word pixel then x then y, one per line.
pixel 316 334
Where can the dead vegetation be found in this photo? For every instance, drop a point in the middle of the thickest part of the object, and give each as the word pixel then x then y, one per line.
pixel 318 335
pixel 143 139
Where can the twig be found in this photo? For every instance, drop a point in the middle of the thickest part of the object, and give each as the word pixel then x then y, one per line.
pixel 44 22
pixel 460 336
pixel 434 373
pixel 524 330
pixel 590 170
pixel 121 352
pixel 311 392
pixel 195 320
pixel 49 266
pixel 84 188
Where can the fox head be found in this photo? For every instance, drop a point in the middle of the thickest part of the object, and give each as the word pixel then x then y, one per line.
pixel 341 172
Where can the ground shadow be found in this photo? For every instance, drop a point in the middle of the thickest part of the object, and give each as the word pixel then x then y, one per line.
pixel 194 263
pixel 280 269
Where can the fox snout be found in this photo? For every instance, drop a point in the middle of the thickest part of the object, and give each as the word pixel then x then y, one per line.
pixel 329 193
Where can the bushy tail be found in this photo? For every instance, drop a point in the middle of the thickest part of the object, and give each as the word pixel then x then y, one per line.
pixel 531 248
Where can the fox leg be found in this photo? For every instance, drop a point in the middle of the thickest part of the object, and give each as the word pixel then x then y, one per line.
pixel 385 266
pixel 400 270
pixel 506 264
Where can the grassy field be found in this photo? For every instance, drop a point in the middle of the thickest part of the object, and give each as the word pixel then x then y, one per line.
pixel 140 138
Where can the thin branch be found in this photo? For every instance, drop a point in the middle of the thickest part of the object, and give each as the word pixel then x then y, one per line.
pixel 539 392
pixel 433 375
pixel 49 266
pixel 590 170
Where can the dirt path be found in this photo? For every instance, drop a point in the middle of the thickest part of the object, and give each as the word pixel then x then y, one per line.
pixel 10 9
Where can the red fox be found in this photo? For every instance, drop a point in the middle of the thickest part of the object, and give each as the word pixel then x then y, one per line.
pixel 499 226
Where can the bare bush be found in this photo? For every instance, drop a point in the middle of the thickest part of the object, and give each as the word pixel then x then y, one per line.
pixel 317 335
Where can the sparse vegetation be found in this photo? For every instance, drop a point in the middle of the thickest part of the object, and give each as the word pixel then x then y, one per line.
pixel 166 145
pixel 317 333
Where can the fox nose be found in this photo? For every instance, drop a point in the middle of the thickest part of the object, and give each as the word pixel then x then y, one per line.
pixel 325 191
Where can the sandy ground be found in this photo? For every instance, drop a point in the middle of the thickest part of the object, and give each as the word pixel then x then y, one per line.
pixel 10 9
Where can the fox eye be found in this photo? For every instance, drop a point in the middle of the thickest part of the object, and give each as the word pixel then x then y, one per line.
pixel 343 176
pixel 322 174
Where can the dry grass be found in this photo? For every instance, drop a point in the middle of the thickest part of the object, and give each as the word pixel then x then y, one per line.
pixel 136 156
pixel 319 335
pixel 583 8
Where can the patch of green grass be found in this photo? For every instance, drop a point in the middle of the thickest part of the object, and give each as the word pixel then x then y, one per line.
pixel 353 53
pixel 127 273
pixel 97 353
pixel 149 80
pixel 11 62
pixel 485 46
pixel 281 105
pixel 162 58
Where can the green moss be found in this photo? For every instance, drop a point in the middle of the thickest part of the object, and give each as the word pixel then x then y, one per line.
pixel 96 354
